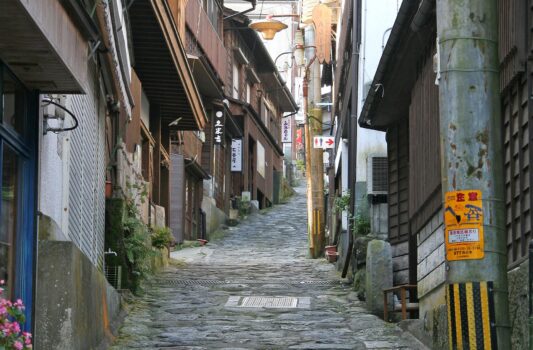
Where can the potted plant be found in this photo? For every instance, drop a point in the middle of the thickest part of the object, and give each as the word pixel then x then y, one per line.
pixel 11 319
pixel 108 189
pixel 332 256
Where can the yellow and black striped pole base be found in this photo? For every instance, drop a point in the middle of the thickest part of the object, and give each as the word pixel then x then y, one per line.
pixel 471 321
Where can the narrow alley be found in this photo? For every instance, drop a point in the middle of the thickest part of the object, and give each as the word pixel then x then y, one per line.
pixel 198 304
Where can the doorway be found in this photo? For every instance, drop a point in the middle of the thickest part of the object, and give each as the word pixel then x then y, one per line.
pixel 18 163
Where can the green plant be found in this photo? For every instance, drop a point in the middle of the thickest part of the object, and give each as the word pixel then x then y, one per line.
pixel 161 237
pixel 341 203
pixel 300 165
pixel 11 319
pixel 361 225
pixel 137 245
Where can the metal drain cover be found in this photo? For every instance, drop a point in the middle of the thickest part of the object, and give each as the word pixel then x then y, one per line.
pixel 281 302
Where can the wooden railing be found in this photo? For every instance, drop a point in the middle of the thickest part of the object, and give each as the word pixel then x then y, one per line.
pixel 207 37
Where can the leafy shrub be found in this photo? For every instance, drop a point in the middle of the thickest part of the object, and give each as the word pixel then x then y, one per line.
pixel 161 237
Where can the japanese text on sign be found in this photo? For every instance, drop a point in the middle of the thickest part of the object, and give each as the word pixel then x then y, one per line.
pixel 286 130
pixel 219 128
pixel 236 155
pixel 463 222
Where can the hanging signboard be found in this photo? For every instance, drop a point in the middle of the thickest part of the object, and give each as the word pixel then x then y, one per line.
pixel 463 225
pixel 218 131
pixel 322 20
pixel 286 130
pixel 323 142
pixel 236 155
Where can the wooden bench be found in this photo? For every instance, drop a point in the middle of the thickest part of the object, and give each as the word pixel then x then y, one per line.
pixel 403 306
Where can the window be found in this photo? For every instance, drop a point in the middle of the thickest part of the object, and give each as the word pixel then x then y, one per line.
pixel 236 80
pixel 248 93
pixel 8 216
pixel 13 102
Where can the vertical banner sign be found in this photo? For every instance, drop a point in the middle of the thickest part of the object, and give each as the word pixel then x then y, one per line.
pixel 236 155
pixel 286 130
pixel 463 225
pixel 299 140
pixel 219 128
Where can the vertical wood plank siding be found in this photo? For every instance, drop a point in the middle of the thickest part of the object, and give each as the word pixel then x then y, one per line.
pixel 512 39
pixel 198 23
pixel 424 147
pixel 398 154
pixel 517 172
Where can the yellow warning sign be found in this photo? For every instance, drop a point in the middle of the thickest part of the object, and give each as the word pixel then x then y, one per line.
pixel 463 225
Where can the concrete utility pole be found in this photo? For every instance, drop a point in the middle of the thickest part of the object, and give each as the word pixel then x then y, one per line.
pixel 470 129
pixel 313 157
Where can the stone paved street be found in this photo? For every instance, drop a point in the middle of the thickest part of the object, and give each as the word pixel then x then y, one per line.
pixel 186 307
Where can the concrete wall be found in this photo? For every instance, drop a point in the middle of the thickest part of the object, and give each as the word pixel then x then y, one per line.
pixel 75 306
pixel 214 217
pixel 518 301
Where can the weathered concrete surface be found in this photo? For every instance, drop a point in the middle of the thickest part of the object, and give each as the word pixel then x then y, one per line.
pixel 378 274
pixel 75 307
pixel 184 307
pixel 518 301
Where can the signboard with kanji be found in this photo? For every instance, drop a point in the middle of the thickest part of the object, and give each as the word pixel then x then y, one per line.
pixel 323 142
pixel 236 155
pixel 286 130
pixel 218 131
pixel 463 225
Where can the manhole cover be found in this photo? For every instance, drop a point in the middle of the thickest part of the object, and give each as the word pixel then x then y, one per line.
pixel 281 302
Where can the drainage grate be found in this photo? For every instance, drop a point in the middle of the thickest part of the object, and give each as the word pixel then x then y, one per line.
pixel 192 282
pixel 184 282
pixel 278 302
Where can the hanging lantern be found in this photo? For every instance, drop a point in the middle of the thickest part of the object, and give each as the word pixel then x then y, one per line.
pixel 268 27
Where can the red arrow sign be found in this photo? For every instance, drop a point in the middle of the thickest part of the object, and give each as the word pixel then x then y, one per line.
pixel 330 142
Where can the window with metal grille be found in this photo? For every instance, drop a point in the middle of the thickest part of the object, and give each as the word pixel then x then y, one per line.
pixel 377 178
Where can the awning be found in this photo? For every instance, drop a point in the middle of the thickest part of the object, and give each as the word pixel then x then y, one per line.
pixel 43 46
pixel 161 64
pixel 195 169
pixel 205 79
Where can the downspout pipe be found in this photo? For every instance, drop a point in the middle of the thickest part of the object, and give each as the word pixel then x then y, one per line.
pixel 254 2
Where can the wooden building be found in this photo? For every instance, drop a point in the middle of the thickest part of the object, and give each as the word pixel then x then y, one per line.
pixel 404 103
pixel 258 98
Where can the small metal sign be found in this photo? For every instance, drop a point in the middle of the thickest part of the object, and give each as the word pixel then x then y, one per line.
pixel 236 155
pixel 218 131
pixel 463 225
pixel 323 142
pixel 286 130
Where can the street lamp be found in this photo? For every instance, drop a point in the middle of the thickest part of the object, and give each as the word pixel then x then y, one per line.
pixel 268 27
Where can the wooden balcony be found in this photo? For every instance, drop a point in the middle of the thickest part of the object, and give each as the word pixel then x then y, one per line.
pixel 208 39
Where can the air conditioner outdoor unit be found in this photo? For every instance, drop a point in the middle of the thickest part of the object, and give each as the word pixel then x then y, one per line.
pixel 377 179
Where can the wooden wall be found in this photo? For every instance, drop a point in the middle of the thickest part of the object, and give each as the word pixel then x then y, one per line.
pixel 425 195
pixel 398 154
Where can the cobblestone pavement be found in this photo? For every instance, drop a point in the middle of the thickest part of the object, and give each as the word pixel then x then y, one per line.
pixel 187 307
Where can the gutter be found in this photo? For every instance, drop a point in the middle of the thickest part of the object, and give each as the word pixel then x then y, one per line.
pixel 259 122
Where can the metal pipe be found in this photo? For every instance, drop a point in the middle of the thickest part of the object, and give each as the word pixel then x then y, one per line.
pixel 470 136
